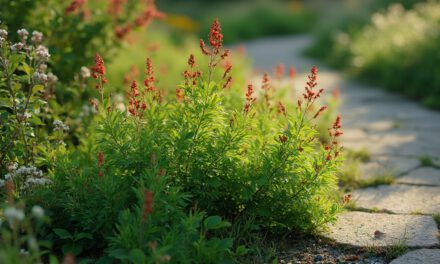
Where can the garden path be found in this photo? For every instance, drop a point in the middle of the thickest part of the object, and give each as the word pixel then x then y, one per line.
pixel 402 138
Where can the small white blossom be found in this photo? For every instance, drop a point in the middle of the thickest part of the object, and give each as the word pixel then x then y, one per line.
pixel 24 252
pixel 42 53
pixel 23 33
pixel 17 46
pixel 3 33
pixel 24 116
pixel 12 166
pixel 42 67
pixel 60 126
pixel 13 215
pixel 37 211
pixel 39 77
pixel 37 37
pixel 85 72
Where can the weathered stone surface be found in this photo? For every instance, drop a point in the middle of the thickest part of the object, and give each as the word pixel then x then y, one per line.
pixel 385 165
pixel 399 198
pixel 425 176
pixel 362 229
pixel 425 256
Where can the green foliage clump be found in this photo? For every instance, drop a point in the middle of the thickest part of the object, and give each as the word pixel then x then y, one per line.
pixel 396 42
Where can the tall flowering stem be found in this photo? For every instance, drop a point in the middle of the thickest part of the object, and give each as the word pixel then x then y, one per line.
pixel 98 72
pixel 250 99
pixel 215 51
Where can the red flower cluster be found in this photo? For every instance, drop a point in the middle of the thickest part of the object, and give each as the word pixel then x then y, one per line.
pixel 100 159
pixel 147 207
pixel 311 84
pixel 215 42
pixel 74 6
pixel 134 104
pixel 335 132
pixel 144 19
pixel 98 71
pixel 100 163
pixel 190 75
pixel 292 72
pixel 281 108
pixel 149 80
pixel 250 99
pixel 216 37
pixel 279 71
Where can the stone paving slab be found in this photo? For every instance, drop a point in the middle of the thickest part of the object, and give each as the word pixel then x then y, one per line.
pixel 399 198
pixel 361 230
pixel 423 176
pixel 420 256
pixel 384 165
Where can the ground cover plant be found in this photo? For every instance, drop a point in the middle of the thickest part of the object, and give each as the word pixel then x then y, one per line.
pixel 156 178
pixel 383 46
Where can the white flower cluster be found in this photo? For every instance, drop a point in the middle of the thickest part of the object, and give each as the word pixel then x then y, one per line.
pixel 28 176
pixel 42 54
pixel 14 215
pixel 60 126
pixel 23 33
pixel 37 37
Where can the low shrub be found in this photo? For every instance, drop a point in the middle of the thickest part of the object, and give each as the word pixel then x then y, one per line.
pixel 160 179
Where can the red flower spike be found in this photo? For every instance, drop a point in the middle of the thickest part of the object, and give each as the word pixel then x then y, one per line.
pixel 100 159
pixel 322 109
pixel 250 99
pixel 228 83
pixel 191 61
pixel 266 82
pixel 147 207
pixel 227 71
pixel 149 80
pixel 292 72
pixel 281 109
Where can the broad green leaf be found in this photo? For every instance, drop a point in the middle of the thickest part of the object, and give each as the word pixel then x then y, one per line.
pixel 83 235
pixel 137 256
pixel 37 88
pixel 62 233
pixel 215 222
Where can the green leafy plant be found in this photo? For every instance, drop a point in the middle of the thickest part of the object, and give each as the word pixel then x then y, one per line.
pixel 72 242
pixel 164 179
